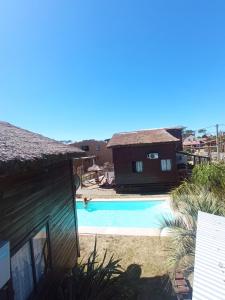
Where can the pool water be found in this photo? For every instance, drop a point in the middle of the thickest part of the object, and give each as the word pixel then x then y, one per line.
pixel 135 214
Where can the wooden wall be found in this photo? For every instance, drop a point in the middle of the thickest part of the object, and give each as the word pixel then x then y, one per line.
pixel 152 178
pixel 29 200
pixel 103 154
pixel 178 134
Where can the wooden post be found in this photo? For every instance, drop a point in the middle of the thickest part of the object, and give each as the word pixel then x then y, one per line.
pixel 74 209
pixel 217 142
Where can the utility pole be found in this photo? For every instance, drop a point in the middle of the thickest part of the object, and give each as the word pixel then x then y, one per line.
pixel 217 142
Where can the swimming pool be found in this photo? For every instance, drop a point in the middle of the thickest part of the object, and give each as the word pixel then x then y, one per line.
pixel 123 214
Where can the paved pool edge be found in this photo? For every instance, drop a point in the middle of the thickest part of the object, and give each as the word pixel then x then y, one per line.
pixel 158 198
pixel 87 230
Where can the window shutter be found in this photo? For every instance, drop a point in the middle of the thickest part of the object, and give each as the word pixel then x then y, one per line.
pixel 169 166
pixel 163 165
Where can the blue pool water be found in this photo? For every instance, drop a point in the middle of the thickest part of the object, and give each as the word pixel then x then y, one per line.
pixel 139 214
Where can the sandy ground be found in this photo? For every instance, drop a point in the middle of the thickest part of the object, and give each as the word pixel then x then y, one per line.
pixel 147 252
pixel 96 192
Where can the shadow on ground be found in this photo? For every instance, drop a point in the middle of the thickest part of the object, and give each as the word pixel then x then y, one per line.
pixel 146 288
pixel 129 286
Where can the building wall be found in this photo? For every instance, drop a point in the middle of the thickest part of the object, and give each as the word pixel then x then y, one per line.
pixel 152 176
pixel 177 132
pixel 29 200
pixel 97 148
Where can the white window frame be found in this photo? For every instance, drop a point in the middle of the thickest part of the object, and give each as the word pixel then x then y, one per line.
pixel 166 165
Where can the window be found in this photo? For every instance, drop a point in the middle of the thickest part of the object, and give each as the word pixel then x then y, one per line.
pixel 137 166
pixel 30 264
pixel 40 250
pixel 166 164
pixel 85 148
pixel 97 147
pixel 22 273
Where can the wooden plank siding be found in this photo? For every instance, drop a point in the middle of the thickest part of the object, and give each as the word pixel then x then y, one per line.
pixel 152 178
pixel 29 200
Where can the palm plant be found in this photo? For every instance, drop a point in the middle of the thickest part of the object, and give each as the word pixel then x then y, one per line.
pixel 187 200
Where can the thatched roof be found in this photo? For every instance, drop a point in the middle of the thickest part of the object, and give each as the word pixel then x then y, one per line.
pixel 150 136
pixel 19 146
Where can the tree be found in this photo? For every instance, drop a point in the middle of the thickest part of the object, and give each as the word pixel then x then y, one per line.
pixel 187 132
pixel 202 131
pixel 211 176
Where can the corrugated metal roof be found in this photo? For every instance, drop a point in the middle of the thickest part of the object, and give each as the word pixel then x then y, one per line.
pixel 209 272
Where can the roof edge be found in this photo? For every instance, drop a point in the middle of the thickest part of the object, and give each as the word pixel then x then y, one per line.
pixel 142 144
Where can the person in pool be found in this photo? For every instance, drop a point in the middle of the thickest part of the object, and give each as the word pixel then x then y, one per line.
pixel 86 201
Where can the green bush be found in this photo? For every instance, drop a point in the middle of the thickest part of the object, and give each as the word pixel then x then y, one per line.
pixel 211 176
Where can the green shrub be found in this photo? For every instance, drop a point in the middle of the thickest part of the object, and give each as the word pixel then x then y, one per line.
pixel 211 176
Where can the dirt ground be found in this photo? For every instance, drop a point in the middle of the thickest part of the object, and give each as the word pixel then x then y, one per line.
pixel 147 252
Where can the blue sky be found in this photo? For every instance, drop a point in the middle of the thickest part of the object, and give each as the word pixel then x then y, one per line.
pixel 89 68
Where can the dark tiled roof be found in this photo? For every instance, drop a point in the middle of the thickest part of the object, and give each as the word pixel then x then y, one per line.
pixel 151 136
pixel 20 145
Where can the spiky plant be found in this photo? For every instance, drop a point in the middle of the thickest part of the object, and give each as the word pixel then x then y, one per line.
pixel 186 201
pixel 93 280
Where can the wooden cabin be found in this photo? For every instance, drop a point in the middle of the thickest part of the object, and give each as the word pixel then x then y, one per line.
pixel 38 223
pixel 145 161
pixel 96 148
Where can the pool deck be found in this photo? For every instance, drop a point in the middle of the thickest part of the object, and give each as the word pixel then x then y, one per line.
pixel 147 198
pixel 85 230
pixel 129 198
pixel 94 192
